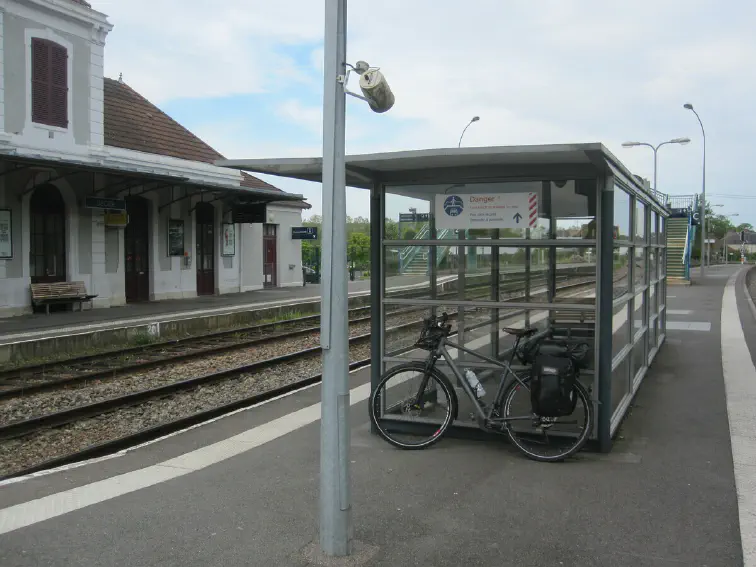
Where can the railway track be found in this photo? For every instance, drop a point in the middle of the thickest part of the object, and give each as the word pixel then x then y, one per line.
pixel 50 376
pixel 41 442
pixel 45 377
pixel 223 391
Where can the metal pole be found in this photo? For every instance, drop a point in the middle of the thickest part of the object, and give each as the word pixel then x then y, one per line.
pixel 463 133
pixel 335 505
pixel 656 149
pixel 703 190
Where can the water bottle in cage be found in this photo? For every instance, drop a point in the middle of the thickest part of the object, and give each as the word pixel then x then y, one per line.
pixel 475 384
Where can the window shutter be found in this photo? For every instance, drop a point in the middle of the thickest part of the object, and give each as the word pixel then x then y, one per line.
pixel 49 83
pixel 40 81
pixel 58 86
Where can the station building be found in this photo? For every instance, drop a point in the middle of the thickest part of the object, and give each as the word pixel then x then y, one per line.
pixel 98 185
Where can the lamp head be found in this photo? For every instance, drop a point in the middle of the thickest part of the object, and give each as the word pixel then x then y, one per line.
pixel 688 106
pixel 361 67
pixel 630 144
pixel 682 141
pixel 475 118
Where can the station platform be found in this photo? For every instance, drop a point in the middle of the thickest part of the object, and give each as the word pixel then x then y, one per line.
pixel 677 490
pixel 24 326
pixel 37 335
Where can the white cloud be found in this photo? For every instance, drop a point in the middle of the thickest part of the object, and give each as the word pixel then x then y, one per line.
pixel 536 72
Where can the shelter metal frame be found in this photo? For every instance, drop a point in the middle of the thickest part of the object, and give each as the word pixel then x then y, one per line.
pixel 627 321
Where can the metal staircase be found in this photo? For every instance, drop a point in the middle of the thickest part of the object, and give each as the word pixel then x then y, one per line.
pixel 681 233
pixel 415 259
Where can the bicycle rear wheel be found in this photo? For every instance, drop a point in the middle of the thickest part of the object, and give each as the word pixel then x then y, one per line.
pixel 542 438
pixel 409 414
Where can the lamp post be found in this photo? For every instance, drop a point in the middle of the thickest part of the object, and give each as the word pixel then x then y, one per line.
pixel 689 106
pixel 681 141
pixel 335 499
pixel 474 119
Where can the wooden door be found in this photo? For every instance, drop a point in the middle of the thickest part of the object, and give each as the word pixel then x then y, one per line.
pixel 47 251
pixel 205 249
pixel 270 261
pixel 137 251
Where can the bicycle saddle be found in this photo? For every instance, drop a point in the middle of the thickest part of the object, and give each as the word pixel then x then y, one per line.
pixel 520 332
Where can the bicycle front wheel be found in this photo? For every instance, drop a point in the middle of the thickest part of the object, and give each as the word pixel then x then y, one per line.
pixel 412 407
pixel 546 439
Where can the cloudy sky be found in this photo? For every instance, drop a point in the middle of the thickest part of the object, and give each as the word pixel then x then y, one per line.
pixel 246 76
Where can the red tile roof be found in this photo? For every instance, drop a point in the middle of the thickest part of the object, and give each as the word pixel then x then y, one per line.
pixel 134 123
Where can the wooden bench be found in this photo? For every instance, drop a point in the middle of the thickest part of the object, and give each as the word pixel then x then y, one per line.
pixel 59 292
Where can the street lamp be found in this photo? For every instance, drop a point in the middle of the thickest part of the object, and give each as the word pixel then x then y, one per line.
pixel 681 141
pixel 474 119
pixel 689 106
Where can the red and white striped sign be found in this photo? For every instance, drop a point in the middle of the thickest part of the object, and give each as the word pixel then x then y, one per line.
pixel 532 209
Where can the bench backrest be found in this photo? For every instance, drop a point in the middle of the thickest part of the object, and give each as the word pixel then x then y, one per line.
pixel 58 289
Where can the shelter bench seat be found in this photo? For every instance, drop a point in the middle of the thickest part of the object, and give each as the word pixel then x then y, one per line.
pixel 59 292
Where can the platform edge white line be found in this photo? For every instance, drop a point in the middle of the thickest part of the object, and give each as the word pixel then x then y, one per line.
pixel 48 507
pixel 740 381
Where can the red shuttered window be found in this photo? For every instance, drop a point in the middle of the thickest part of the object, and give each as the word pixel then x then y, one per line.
pixel 49 83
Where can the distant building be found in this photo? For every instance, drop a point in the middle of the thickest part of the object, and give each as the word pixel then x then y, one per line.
pixel 76 148
pixel 733 243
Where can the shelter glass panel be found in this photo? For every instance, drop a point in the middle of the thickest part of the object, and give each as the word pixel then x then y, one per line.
pixel 621 271
pixel 640 221
pixel 620 383
pixel 652 264
pixel 620 328
pixel 639 355
pixel 639 268
pixel 622 203
pixel 439 256
pixel 654 228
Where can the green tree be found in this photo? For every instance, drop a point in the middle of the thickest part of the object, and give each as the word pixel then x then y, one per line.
pixel 311 253
pixel 391 229
pixel 358 250
pixel 718 226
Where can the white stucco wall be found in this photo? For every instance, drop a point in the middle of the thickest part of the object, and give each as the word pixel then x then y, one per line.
pixel 289 250
pixel 251 257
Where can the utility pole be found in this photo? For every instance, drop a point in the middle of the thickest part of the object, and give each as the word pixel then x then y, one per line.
pixel 335 498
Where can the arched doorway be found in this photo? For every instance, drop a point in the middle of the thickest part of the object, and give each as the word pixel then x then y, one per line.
pixel 205 214
pixel 47 251
pixel 136 250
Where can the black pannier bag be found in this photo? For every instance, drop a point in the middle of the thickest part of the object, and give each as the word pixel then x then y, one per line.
pixel 552 386
pixel 531 350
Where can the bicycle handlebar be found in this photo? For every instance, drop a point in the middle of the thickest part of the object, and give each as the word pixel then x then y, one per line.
pixel 439 322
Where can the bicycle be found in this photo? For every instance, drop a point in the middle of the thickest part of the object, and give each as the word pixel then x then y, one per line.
pixel 492 417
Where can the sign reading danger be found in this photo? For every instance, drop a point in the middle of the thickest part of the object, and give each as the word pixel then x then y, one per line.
pixel 489 210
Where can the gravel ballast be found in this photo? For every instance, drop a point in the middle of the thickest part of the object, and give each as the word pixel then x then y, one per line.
pixel 23 452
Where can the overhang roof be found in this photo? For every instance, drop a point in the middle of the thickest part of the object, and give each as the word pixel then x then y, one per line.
pixel 438 165
pixel 236 192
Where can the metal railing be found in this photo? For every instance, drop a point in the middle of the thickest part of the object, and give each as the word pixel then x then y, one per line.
pixel 684 202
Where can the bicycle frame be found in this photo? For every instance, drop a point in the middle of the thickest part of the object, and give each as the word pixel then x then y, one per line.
pixel 484 415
